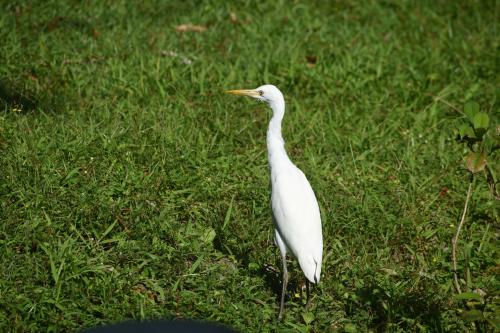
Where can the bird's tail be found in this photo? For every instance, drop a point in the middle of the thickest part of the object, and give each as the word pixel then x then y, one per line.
pixel 311 268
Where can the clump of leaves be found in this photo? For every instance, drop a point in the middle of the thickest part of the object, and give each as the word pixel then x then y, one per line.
pixel 481 309
pixel 475 131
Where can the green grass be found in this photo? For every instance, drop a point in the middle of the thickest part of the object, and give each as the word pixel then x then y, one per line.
pixel 131 187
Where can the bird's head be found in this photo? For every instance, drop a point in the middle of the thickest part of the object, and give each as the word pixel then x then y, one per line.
pixel 266 93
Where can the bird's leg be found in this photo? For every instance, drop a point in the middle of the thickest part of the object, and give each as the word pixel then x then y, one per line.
pixel 308 293
pixel 283 290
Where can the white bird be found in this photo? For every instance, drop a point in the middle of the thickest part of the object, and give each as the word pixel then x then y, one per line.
pixel 297 220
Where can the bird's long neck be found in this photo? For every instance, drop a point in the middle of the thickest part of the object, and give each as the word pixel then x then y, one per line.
pixel 278 158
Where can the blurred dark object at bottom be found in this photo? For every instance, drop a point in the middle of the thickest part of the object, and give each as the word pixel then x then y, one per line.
pixel 162 326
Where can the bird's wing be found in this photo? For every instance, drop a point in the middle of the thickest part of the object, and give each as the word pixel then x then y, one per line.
pixel 298 220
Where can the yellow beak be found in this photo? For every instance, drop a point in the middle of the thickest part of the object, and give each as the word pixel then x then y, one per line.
pixel 243 92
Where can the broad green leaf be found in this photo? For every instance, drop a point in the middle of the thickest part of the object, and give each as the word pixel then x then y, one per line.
pixel 253 266
pixel 208 236
pixel 475 162
pixel 472 315
pixel 481 120
pixel 470 109
pixel 350 328
pixel 466 131
pixel 468 296
pixel 308 317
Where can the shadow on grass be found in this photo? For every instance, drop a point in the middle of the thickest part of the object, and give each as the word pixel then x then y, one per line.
pixel 271 273
pixel 12 98
pixel 403 310
pixel 52 98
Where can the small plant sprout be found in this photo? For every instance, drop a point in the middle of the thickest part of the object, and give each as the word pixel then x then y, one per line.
pixel 482 143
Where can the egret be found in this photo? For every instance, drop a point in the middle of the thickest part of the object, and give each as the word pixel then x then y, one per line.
pixel 297 220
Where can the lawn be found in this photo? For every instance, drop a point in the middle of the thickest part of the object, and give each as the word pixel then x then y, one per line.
pixel 132 187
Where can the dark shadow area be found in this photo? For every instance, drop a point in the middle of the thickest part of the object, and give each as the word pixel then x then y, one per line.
pixel 11 97
pixel 163 326
pixel 270 272
pixel 418 305
pixel 51 98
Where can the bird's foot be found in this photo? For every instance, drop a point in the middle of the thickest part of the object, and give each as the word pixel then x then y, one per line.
pixel 281 313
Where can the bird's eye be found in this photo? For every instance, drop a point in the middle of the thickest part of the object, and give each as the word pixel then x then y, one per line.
pixel 261 92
